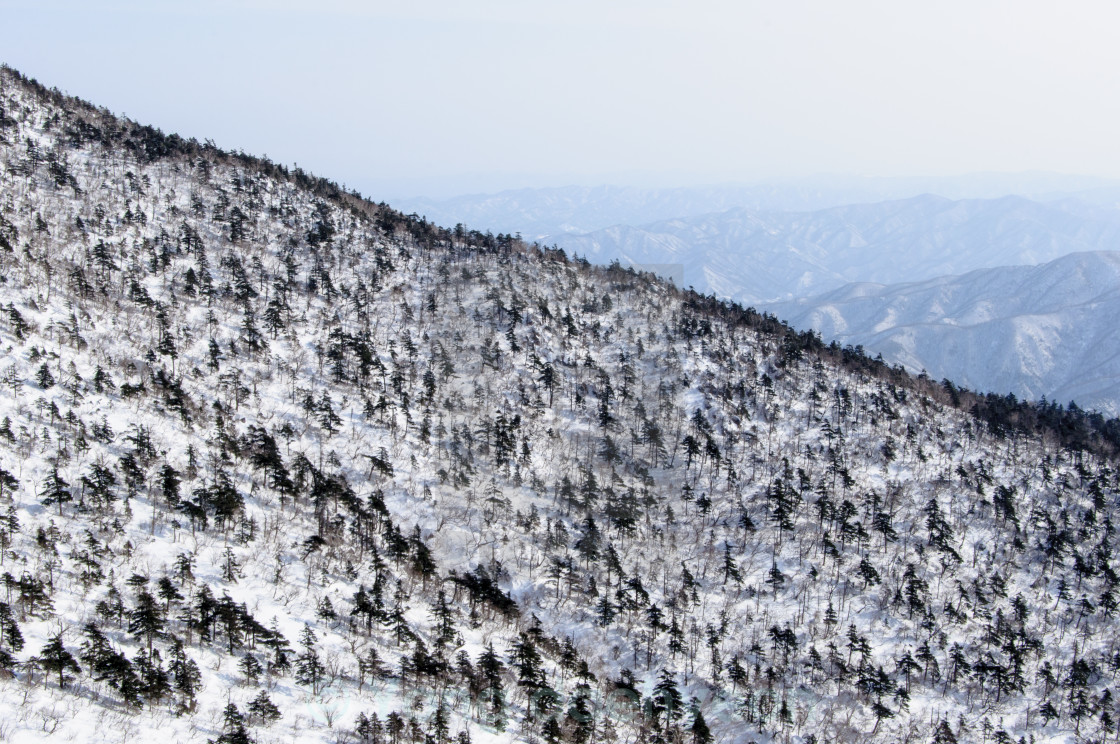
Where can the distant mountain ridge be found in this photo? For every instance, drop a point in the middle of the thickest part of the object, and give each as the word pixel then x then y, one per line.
pixel 769 256
pixel 562 210
pixel 1038 331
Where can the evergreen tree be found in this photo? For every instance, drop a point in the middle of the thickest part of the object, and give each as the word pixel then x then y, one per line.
pixel 145 620
pixel 369 729
pixel 667 699
pixel 444 618
pixel 55 659
pixel 10 634
pixel 8 482
pixel 579 718
pixel 309 669
pixel 44 378
pixel 527 661
pixel 98 485
pixel 251 668
pixel 169 480
pixel 775 578
pixel 490 669
pixel 233 730
pixel 370 665
pixel 943 734
pixel 154 680
pixel 700 732
pixel 730 568
pixel 589 542
pixel 263 709
pixel 551 732
pixel 55 491
pixel 440 727
pixel 185 674
pixel 11 639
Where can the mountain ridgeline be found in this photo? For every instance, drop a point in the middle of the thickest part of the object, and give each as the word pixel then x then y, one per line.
pixel 727 243
pixel 281 464
pixel 1044 331
pixel 946 286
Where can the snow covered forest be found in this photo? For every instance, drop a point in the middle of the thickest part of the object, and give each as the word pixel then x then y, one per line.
pixel 280 464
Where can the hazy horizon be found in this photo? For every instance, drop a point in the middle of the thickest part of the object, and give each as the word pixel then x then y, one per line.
pixel 442 99
pixel 967 185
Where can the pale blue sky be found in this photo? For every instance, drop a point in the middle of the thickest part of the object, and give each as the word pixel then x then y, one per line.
pixel 449 97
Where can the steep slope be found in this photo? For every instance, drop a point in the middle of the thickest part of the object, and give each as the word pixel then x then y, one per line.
pixel 279 463
pixel 1036 331
pixel 769 256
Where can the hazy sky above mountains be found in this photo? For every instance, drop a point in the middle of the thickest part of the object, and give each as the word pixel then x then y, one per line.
pixel 447 97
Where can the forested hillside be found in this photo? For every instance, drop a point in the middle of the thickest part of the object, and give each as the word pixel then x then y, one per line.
pixel 279 464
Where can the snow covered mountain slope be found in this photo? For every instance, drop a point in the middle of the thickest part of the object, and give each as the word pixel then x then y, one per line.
pixel 278 464
pixel 769 256
pixel 1048 331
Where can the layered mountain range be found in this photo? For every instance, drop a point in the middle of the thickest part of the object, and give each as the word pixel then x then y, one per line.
pixel 1046 331
pixel 759 257
pixel 540 213
pixel 280 464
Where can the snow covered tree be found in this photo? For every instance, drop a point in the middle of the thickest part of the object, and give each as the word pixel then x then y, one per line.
pixel 55 491
pixel 233 728
pixel 309 669
pixel 55 659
